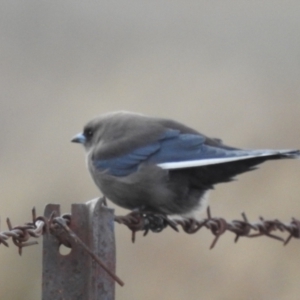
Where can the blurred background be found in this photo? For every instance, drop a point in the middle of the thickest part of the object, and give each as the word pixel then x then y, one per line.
pixel 230 69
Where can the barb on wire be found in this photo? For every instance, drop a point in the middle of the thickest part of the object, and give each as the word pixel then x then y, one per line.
pixel 21 234
pixel 146 222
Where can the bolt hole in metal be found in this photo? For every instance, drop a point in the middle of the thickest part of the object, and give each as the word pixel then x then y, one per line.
pixel 63 250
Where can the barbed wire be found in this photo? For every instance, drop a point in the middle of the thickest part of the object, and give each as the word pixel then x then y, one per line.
pixel 241 228
pixel 136 221
pixel 146 222
pixel 21 234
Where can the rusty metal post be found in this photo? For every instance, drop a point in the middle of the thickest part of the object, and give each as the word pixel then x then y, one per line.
pixel 76 276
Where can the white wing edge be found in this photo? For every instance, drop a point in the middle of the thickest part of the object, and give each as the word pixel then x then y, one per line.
pixel 213 161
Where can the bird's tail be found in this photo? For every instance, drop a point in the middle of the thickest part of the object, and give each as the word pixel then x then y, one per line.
pixel 277 154
pixel 226 170
pixel 232 156
pixel 288 153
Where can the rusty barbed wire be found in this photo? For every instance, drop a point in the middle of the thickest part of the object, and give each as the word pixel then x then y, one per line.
pixel 21 234
pixel 146 222
pixel 241 228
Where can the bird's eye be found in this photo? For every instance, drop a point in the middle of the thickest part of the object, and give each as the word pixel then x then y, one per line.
pixel 88 133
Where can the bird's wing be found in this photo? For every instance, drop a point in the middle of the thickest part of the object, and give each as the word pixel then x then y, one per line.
pixel 126 164
pixel 175 150
pixel 189 151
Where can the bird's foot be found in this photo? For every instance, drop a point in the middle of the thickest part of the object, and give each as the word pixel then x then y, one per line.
pixel 154 222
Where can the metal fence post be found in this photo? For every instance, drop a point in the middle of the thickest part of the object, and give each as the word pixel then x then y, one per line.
pixel 76 276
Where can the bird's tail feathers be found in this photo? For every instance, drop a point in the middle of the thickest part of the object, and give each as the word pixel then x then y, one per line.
pixel 289 153
pixel 239 155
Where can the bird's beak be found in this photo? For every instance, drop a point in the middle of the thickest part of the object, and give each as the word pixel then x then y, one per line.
pixel 78 138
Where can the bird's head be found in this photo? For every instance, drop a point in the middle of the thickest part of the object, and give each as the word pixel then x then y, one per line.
pixel 92 133
pixel 108 128
pixel 85 138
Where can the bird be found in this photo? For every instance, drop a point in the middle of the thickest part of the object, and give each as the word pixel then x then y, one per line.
pixel 151 164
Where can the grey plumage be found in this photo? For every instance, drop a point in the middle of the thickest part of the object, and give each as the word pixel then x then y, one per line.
pixel 160 165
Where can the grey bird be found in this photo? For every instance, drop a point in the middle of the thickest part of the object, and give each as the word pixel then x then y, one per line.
pixel 159 165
